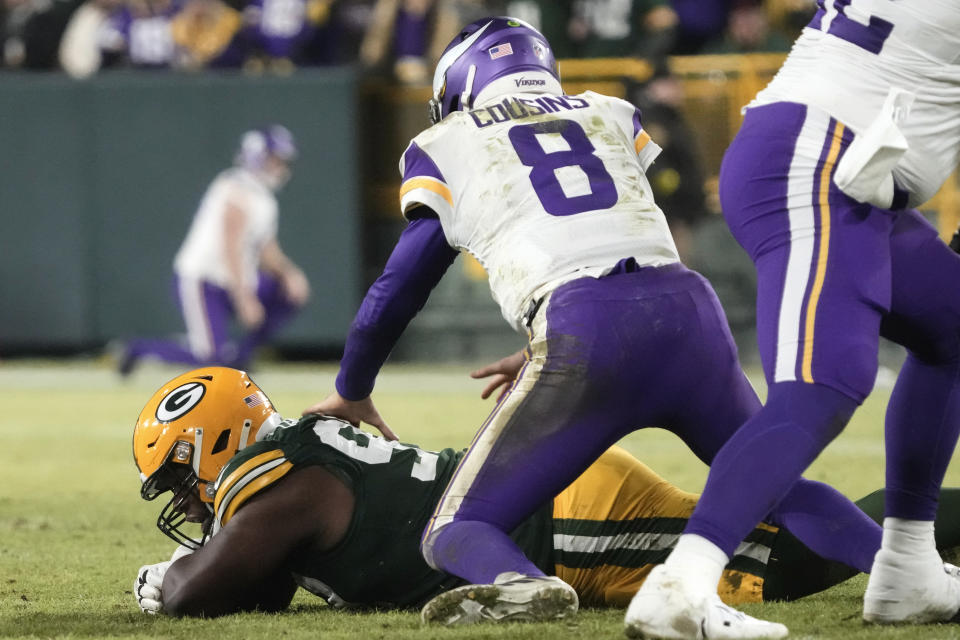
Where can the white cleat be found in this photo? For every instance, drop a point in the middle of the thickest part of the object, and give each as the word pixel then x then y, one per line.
pixel 665 610
pixel 511 598
pixel 911 589
pixel 951 570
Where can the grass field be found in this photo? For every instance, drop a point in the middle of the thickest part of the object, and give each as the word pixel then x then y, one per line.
pixel 73 529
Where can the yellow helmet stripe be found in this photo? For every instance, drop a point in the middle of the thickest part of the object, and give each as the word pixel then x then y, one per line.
pixel 241 471
pixel 265 479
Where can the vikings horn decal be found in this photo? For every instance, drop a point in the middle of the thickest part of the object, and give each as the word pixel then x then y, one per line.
pixel 179 401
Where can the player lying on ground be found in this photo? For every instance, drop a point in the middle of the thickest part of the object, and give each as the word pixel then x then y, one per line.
pixel 339 512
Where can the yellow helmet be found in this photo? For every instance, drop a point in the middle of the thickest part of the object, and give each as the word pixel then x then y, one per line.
pixel 188 431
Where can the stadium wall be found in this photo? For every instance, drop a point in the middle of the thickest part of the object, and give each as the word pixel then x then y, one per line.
pixel 99 180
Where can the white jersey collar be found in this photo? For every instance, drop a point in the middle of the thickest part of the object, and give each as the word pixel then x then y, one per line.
pixel 523 82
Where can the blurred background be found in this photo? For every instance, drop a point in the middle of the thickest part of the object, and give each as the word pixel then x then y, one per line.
pixel 116 114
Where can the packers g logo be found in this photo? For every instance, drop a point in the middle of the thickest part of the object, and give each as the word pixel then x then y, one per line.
pixel 180 401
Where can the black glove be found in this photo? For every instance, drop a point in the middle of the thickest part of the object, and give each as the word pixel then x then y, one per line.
pixel 955 241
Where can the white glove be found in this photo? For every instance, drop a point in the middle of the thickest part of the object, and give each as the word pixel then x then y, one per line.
pixel 179 552
pixel 147 587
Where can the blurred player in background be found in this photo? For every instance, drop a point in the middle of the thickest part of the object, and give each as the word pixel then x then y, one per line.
pixel 862 120
pixel 549 192
pixel 230 265
pixel 340 512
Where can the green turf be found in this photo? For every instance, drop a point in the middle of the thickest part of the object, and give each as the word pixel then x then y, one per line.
pixel 73 530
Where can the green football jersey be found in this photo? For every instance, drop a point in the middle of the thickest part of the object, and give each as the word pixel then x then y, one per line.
pixel 396 488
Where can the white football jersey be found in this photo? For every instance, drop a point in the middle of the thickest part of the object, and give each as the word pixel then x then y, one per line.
pixel 541 189
pixel 202 254
pixel 855 51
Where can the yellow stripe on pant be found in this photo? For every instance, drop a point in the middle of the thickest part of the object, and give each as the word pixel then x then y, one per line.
pixel 612 517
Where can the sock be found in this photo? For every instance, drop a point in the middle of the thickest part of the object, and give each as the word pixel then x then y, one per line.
pixel 908 537
pixel 830 524
pixel 476 551
pixel 699 561
pixel 923 419
pixel 754 472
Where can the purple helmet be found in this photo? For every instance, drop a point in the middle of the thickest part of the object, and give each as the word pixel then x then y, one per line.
pixel 258 144
pixel 482 52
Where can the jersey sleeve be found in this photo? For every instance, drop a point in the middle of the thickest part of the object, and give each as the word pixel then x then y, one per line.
pixel 423 184
pixel 414 268
pixel 629 119
pixel 647 150
pixel 246 474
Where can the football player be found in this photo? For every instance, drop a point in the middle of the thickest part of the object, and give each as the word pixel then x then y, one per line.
pixel 861 122
pixel 231 264
pixel 339 512
pixel 549 193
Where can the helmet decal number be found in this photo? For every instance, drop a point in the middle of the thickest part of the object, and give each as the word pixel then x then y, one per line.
pixel 180 401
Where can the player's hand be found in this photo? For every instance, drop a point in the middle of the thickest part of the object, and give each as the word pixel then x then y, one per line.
pixel 504 372
pixel 249 311
pixel 353 411
pixel 296 286
pixel 179 552
pixel 955 241
pixel 148 587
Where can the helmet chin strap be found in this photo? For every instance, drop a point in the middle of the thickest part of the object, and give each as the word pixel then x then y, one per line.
pixel 268 426
pixel 197 448
pixel 466 98
pixel 244 433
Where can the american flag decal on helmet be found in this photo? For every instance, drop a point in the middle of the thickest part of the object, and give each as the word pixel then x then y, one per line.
pixel 501 50
pixel 253 400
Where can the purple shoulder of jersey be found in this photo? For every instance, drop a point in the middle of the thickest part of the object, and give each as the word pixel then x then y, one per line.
pixel 417 164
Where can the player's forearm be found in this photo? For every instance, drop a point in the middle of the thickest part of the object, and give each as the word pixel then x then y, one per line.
pixel 189 591
pixel 234 223
pixel 274 260
pixel 417 263
pixel 185 595
pixel 236 286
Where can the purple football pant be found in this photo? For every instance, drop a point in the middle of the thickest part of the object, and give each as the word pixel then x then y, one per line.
pixel 833 276
pixel 207 313
pixel 638 348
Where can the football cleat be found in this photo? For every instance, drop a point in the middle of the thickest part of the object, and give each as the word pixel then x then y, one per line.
pixel 511 598
pixel 664 609
pixel 951 570
pixel 911 589
pixel 188 431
